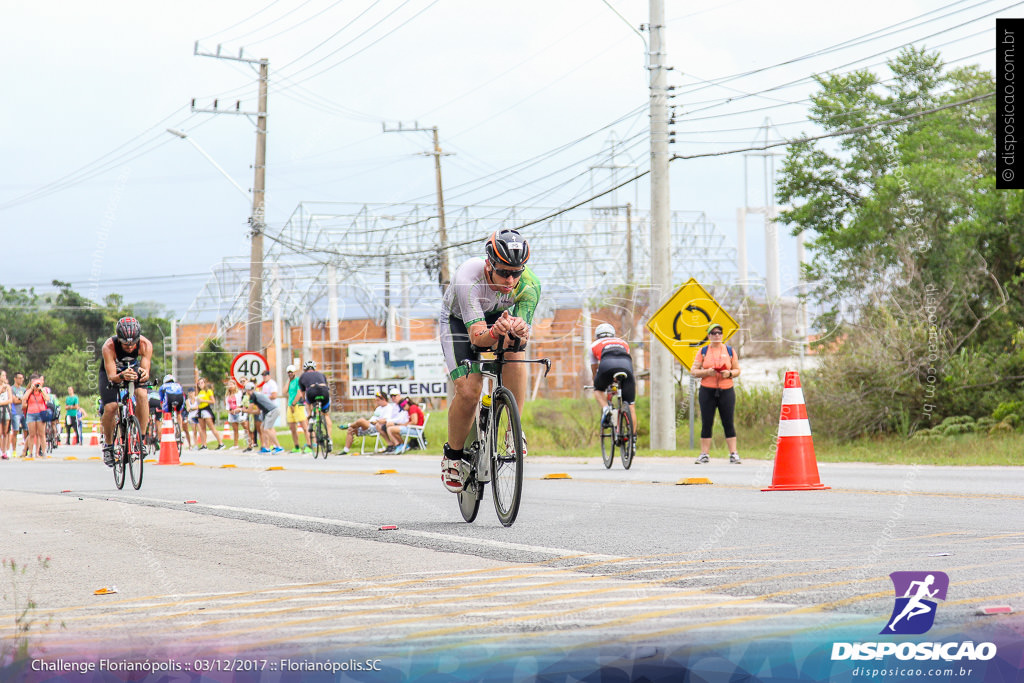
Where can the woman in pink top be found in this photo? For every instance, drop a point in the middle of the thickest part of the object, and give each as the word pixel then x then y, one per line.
pixel 34 402
pixel 716 365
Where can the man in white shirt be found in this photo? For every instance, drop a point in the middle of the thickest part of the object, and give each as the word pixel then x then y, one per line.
pixel 364 426
pixel 269 387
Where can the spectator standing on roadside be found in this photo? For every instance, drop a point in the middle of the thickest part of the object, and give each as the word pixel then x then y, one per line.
pixel 232 399
pixel 295 414
pixel 270 387
pixel 34 403
pixel 716 365
pixel 251 423
pixel 192 417
pixel 6 405
pixel 18 424
pixel 205 403
pixel 73 415
pixel 263 404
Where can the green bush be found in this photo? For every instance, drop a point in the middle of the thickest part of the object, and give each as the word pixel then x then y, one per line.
pixel 957 420
pixel 983 424
pixel 1003 410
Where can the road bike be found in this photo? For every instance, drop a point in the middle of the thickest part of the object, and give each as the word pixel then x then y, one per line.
pixel 128 446
pixel 153 430
pixel 318 430
pixel 176 419
pixel 496 437
pixel 617 428
pixel 52 431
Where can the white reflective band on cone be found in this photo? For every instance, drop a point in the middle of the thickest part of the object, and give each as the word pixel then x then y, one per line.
pixel 794 427
pixel 792 396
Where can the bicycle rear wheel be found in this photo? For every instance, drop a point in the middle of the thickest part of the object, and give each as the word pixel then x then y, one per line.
pixel 134 452
pixel 323 441
pixel 507 456
pixel 607 443
pixel 626 438
pixel 314 436
pixel 120 453
pixel 177 435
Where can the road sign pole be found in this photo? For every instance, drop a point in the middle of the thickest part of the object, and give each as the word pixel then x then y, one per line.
pixel 690 401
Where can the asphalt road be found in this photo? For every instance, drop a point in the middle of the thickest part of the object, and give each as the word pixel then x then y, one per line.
pixel 295 558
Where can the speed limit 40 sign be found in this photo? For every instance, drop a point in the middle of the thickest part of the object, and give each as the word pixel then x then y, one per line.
pixel 249 366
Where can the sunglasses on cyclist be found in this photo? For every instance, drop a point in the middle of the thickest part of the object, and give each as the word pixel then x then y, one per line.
pixel 503 273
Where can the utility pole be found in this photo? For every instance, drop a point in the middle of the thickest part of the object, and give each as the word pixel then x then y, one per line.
pixel 257 224
pixel 443 277
pixel 663 401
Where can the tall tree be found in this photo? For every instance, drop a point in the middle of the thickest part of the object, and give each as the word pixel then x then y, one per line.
pixel 915 256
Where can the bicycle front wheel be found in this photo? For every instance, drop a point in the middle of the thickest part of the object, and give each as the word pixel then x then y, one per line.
pixel 469 498
pixel 627 438
pixel 506 456
pixel 134 453
pixel 120 453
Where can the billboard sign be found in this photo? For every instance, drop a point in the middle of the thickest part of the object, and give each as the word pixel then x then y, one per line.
pixel 414 368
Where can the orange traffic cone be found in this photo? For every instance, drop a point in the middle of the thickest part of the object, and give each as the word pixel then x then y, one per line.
pixel 226 434
pixel 168 446
pixel 94 438
pixel 74 437
pixel 795 466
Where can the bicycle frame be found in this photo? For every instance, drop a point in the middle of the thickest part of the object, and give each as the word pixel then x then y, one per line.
pixel 491 370
pixel 477 472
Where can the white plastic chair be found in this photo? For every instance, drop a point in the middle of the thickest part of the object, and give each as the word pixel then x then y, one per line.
pixel 415 434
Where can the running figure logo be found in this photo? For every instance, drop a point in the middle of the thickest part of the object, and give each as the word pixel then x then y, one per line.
pixel 914 611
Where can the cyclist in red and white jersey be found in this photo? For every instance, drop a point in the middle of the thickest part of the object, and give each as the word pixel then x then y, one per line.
pixel 609 355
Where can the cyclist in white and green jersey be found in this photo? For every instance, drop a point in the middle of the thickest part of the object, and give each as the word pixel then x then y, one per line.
pixel 488 300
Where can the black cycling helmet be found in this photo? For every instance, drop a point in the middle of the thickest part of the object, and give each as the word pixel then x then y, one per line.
pixel 507 248
pixel 128 331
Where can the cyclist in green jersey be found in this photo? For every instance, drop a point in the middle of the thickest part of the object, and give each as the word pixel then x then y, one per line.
pixel 488 301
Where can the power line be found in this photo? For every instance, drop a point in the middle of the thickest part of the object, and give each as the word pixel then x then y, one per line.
pixel 251 16
pixel 846 131
pixel 838 46
pixel 270 23
pixel 841 66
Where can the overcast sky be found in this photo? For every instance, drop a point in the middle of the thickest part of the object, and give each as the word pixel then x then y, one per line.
pixel 93 190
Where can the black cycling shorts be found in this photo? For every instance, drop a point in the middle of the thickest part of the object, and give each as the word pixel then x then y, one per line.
pixel 611 364
pixel 319 394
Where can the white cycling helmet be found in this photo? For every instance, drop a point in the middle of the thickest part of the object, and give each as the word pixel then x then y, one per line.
pixel 604 330
pixel 168 378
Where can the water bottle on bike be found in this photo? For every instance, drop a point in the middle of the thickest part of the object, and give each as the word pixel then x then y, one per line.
pixel 485 411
